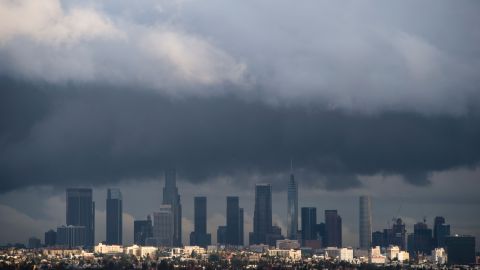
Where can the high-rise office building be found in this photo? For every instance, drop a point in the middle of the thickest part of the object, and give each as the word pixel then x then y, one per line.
pixel 421 241
pixel 34 242
pixel 292 207
pixel 274 235
pixel 222 235
pixel 262 216
pixel 309 224
pixel 142 229
pixel 81 212
pixel 114 217
pixel 171 197
pixel 377 239
pixel 240 231
pixel 440 232
pixel 50 238
pixel 71 236
pixel 333 229
pixel 320 231
pixel 233 221
pixel 396 236
pixel 199 236
pixel 460 249
pixel 365 222
pixel 163 226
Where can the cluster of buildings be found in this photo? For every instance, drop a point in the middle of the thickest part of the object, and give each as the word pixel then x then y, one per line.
pixel 163 229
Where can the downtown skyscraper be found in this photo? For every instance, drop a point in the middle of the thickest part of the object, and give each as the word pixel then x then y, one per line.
pixel 81 212
pixel 292 206
pixel 365 222
pixel 172 198
pixel 309 224
pixel 114 217
pixel 163 226
pixel 233 228
pixel 333 229
pixel 142 230
pixel 262 216
pixel 199 236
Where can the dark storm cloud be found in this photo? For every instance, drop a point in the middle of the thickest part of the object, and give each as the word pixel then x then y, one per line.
pixel 94 92
pixel 95 134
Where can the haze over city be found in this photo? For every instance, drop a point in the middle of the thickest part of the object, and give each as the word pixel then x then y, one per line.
pixel 353 98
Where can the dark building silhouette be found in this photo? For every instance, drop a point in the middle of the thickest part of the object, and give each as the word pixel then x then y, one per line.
pixel 233 221
pixel 320 231
pixel 440 232
pixel 222 235
pixel 199 236
pixel 333 229
pixel 274 235
pixel 171 197
pixel 50 238
pixel 377 239
pixel 34 242
pixel 460 249
pixel 114 217
pixel 292 206
pixel 71 236
pixel 81 212
pixel 397 235
pixel 421 240
pixel 142 230
pixel 309 224
pixel 240 223
pixel 262 216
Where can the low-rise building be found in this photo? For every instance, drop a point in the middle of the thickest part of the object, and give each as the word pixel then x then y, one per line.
pixel 361 255
pixel 375 256
pixel 287 244
pixel 260 248
pixel 142 252
pixel 292 254
pixel 108 249
pixel 341 254
pixel 439 256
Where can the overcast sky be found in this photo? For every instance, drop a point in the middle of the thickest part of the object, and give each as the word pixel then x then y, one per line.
pixel 370 97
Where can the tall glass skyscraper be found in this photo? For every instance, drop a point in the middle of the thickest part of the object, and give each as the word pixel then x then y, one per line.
pixel 199 236
pixel 142 229
pixel 365 222
pixel 171 197
pixel 292 207
pixel 81 212
pixel 333 229
pixel 262 216
pixel 440 232
pixel 233 221
pixel 163 226
pixel 114 217
pixel 309 223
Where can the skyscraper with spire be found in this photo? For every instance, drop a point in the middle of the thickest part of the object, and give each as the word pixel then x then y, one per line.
pixel 171 197
pixel 292 206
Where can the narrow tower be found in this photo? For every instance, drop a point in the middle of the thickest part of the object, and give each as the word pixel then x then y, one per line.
pixel 365 222
pixel 292 206
pixel 114 217
pixel 171 197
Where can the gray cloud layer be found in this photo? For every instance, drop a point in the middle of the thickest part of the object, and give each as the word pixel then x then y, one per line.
pixel 98 92
pixel 93 134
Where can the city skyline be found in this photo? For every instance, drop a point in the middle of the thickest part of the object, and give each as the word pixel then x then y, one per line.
pixel 354 235
pixel 421 239
pixel 169 100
